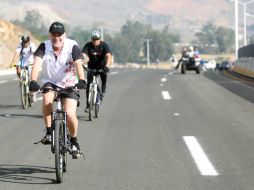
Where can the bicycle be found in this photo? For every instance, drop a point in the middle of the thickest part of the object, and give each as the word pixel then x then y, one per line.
pixel 94 96
pixel 26 96
pixel 60 138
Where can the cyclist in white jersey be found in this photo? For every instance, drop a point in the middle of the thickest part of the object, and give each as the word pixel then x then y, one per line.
pixel 61 61
pixel 24 53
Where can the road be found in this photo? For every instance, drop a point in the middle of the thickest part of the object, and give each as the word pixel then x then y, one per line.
pixel 157 130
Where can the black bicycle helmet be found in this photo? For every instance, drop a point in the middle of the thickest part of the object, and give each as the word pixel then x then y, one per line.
pixel 25 39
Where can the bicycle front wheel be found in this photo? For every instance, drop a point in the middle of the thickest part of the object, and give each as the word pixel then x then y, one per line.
pixel 59 152
pixel 97 106
pixel 91 104
pixel 23 95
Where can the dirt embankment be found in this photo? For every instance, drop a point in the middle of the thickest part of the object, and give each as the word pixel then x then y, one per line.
pixel 9 39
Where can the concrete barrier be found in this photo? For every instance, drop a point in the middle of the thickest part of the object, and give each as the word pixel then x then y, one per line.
pixel 245 66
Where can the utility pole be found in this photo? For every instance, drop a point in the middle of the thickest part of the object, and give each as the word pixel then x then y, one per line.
pixel 236 29
pixel 148 51
pixel 102 34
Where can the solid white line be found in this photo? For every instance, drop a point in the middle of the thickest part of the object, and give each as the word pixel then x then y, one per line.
pixel 204 165
pixel 163 79
pixel 166 95
pixel 3 81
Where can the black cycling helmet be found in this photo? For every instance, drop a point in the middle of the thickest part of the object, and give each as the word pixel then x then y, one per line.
pixel 95 35
pixel 25 39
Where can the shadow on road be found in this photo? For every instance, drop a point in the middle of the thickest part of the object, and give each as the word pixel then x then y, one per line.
pixel 14 115
pixel 25 174
pixel 9 106
pixel 233 84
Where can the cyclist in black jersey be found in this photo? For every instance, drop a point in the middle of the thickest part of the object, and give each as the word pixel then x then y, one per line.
pixel 99 56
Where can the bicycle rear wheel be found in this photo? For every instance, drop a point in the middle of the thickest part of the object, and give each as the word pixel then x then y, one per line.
pixel 59 152
pixel 23 95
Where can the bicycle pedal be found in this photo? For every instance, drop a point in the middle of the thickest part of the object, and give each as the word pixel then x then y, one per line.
pixel 37 142
pixel 42 142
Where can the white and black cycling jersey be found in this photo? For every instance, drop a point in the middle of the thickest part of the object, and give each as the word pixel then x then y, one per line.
pixel 59 70
pixel 26 54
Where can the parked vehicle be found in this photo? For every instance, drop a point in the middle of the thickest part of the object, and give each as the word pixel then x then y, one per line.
pixel 225 65
pixel 210 65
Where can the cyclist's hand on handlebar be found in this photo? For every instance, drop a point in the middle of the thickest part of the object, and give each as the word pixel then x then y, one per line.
pixel 34 86
pixel 106 69
pixel 81 84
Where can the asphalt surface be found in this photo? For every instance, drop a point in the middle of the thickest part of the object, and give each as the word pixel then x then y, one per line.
pixel 157 130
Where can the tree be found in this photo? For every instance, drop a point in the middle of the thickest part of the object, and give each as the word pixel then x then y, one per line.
pixel 225 39
pixel 34 23
pixel 80 35
pixel 215 39
pixel 129 45
pixel 161 45
pixel 207 35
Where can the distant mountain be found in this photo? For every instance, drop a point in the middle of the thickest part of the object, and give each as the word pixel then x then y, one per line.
pixel 184 16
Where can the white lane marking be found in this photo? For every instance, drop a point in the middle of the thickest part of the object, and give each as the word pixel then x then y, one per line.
pixel 204 165
pixel 3 81
pixel 161 84
pixel 113 73
pixel 16 79
pixel 166 95
pixel 163 79
pixel 176 114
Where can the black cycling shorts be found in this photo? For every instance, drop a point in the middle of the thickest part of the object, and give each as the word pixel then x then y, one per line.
pixel 72 95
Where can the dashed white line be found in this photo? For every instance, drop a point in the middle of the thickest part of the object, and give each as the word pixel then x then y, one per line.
pixel 204 165
pixel 166 95
pixel 3 81
pixel 163 79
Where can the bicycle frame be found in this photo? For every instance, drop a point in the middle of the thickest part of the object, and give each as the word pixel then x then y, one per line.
pixel 59 114
pixel 94 95
pixel 94 87
pixel 24 75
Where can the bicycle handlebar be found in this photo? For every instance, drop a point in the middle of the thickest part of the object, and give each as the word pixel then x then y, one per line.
pixel 96 70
